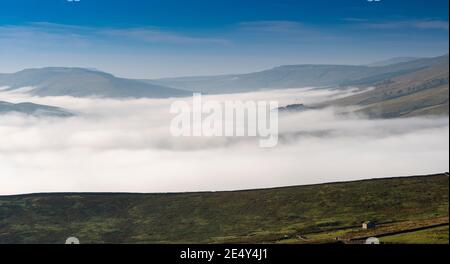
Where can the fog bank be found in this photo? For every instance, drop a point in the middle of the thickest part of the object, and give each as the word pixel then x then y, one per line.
pixel 125 146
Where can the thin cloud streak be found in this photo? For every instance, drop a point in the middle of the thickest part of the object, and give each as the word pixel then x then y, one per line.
pixel 160 36
pixel 271 26
pixel 58 32
pixel 413 24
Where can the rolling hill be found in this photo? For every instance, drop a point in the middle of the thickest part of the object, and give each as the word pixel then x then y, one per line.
pixel 296 76
pixel 79 82
pixel 423 92
pixel 33 109
pixel 252 216
pixel 392 61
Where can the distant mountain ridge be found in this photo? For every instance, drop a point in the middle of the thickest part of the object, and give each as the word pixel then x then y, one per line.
pixel 80 82
pixel 297 76
pixel 392 61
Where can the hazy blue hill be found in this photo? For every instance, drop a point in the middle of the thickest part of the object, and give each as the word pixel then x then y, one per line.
pixel 86 82
pixel 392 61
pixel 33 109
pixel 81 82
pixel 294 76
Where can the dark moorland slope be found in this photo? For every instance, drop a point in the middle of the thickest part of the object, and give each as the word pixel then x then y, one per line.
pixel 241 216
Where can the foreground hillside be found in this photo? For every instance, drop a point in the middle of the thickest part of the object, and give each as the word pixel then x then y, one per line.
pixel 254 216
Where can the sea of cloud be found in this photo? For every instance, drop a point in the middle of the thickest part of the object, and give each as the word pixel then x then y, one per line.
pixel 126 146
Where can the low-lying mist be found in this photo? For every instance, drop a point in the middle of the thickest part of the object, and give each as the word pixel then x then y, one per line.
pixel 126 146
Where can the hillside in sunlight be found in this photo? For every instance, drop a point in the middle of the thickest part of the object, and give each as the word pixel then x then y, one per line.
pixel 424 92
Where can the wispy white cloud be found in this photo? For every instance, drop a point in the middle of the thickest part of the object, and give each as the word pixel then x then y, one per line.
pixel 271 26
pixel 434 24
pixel 161 36
pixel 284 31
pixel 68 34
pixel 414 24
pixel 355 19
pixel 43 34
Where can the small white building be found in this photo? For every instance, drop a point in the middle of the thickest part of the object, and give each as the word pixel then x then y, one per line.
pixel 368 225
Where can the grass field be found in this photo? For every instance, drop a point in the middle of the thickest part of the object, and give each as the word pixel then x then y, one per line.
pixel 319 212
pixel 438 235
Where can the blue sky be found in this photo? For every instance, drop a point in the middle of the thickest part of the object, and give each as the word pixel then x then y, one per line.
pixel 152 39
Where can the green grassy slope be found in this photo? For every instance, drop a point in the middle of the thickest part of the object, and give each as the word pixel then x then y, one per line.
pixel 428 102
pixel 438 235
pixel 425 92
pixel 243 216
